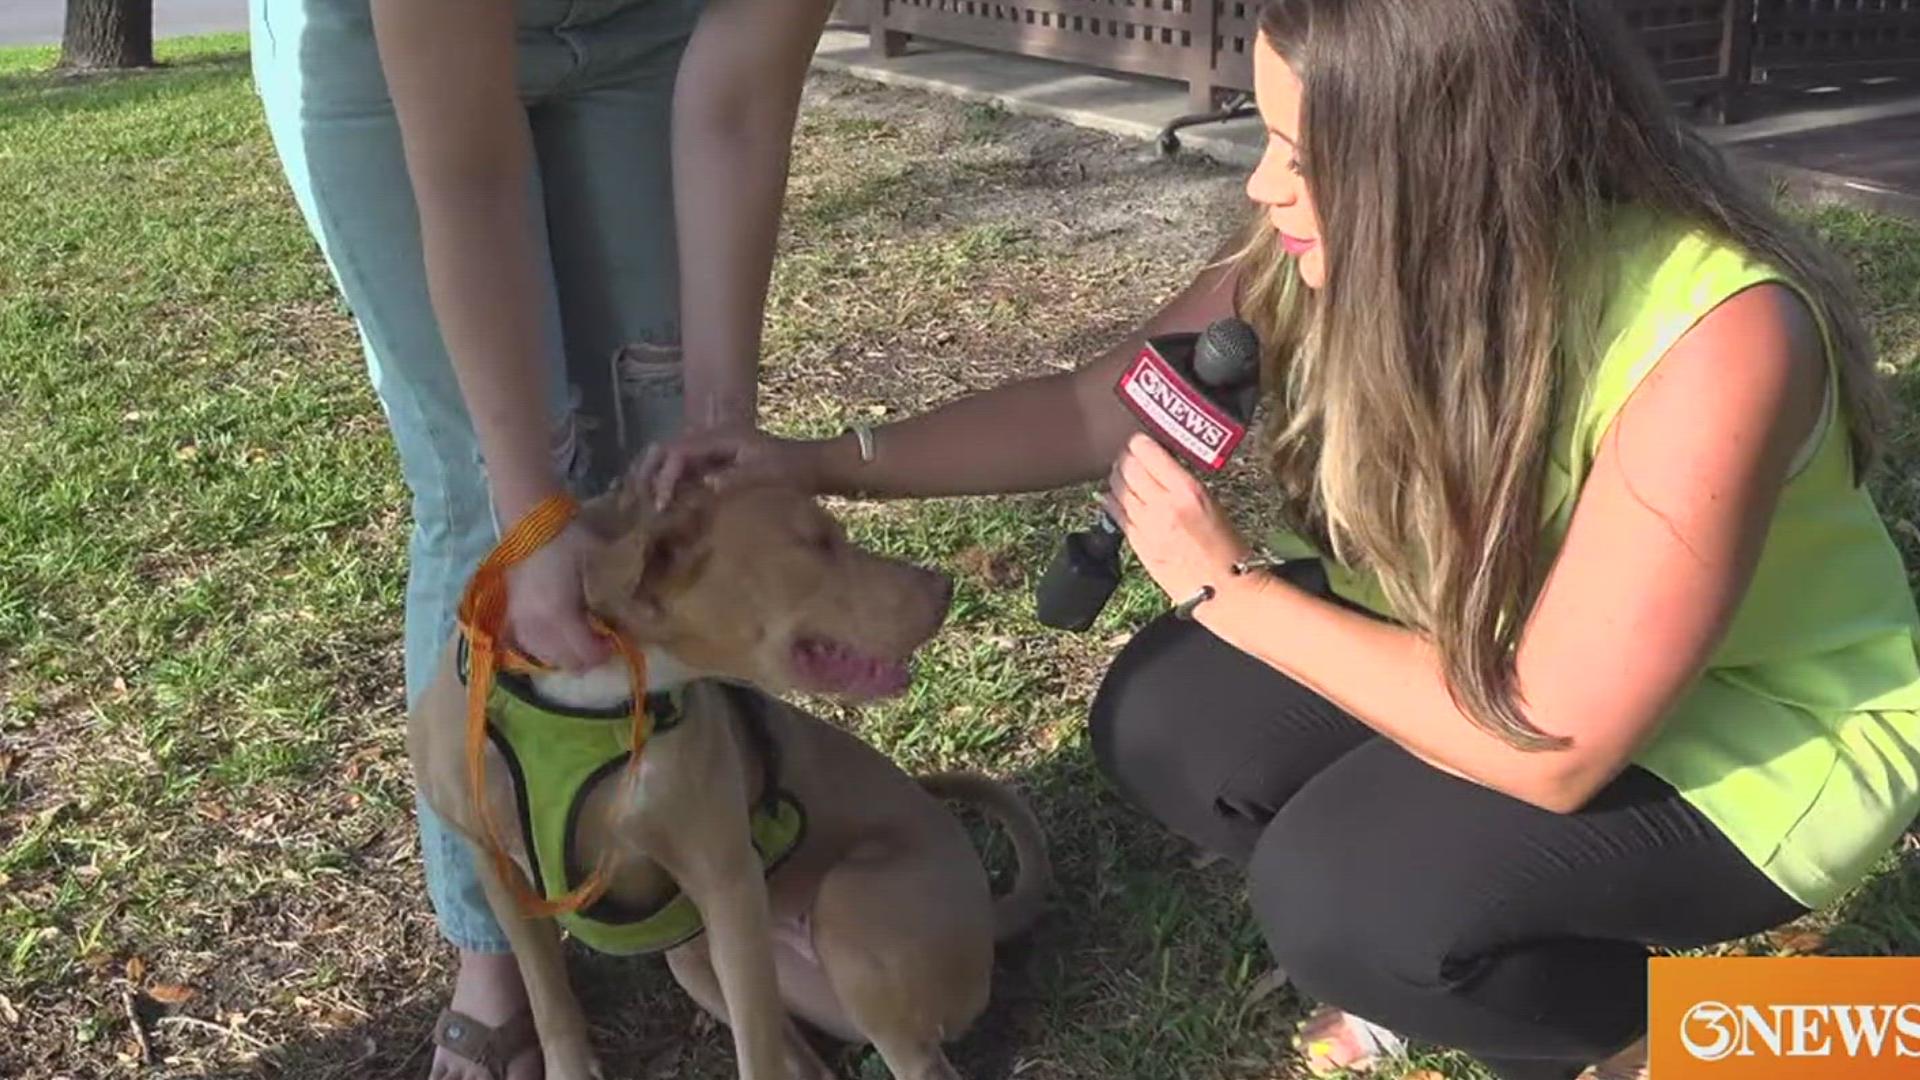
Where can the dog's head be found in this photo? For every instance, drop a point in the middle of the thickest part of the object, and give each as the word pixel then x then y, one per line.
pixel 759 583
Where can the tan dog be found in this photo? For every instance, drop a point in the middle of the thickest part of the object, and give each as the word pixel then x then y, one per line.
pixel 880 927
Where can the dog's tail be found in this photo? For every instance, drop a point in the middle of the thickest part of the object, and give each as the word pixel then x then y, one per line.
pixel 1022 906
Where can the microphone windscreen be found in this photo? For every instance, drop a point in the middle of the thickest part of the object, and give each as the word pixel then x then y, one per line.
pixel 1226 354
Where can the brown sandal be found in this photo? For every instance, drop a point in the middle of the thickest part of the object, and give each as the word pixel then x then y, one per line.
pixel 491 1048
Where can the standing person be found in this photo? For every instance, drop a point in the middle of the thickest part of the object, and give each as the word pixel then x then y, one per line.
pixel 1598 642
pixel 507 192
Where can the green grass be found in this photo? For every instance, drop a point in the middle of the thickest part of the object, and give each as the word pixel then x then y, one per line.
pixel 205 814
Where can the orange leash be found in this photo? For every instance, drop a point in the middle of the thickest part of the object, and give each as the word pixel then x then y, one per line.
pixel 483 614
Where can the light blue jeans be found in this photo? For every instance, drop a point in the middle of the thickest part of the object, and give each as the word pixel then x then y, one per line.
pixel 596 77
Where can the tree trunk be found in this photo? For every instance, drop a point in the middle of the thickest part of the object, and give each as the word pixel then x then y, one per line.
pixel 108 34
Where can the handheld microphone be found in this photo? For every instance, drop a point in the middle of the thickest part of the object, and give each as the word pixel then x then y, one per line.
pixel 1195 394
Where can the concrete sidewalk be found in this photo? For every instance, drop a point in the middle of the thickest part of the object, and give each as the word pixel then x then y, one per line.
pixel 1860 145
pixel 41 22
pixel 1870 158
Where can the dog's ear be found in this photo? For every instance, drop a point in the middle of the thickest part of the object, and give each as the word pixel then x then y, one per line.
pixel 618 510
pixel 606 515
pixel 628 503
pixel 652 553
pixel 676 543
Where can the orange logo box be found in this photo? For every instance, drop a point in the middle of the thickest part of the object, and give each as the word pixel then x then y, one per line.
pixel 1784 1018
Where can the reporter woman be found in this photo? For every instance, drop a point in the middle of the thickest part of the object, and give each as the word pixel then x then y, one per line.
pixel 1613 649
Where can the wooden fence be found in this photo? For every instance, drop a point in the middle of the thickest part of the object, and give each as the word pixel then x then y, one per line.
pixel 1706 51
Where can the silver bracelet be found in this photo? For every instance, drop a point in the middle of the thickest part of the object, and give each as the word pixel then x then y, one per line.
pixel 1258 562
pixel 863 435
pixel 1185 610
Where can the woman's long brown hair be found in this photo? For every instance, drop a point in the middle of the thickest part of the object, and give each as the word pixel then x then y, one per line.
pixel 1464 155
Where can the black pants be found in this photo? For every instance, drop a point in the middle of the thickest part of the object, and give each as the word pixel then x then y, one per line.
pixel 1430 905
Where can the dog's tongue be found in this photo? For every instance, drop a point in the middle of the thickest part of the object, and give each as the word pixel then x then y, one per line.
pixel 834 668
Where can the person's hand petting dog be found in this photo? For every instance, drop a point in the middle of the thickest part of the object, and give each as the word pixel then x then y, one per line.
pixel 1178 532
pixel 723 457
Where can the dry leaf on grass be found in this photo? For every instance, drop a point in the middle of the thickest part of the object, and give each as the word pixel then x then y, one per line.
pixel 136 969
pixel 1800 942
pixel 1264 987
pixel 169 993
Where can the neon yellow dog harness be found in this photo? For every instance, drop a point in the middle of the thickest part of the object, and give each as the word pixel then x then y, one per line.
pixel 555 757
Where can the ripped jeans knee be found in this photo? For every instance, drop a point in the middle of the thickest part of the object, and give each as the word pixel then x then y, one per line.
pixel 639 402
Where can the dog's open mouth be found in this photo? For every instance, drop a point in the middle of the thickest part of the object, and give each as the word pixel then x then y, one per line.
pixel 831 667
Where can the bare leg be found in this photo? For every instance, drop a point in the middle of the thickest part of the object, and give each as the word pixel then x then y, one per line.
pixel 556 1012
pixel 488 989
